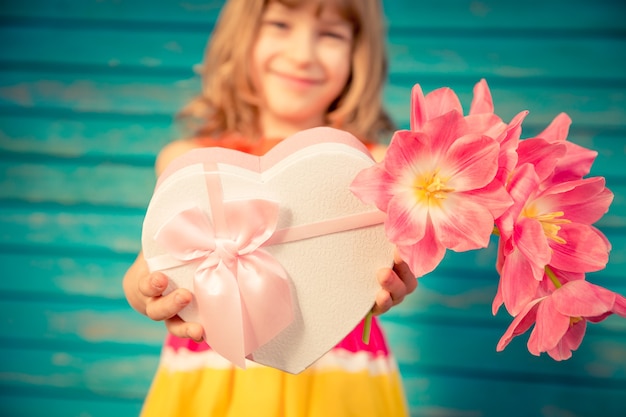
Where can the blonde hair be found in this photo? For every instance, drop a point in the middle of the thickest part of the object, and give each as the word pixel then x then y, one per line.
pixel 228 103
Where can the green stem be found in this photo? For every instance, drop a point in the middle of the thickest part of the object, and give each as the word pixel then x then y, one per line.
pixel 552 276
pixel 367 328
pixel 496 231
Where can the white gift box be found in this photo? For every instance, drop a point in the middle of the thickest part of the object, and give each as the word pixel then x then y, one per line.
pixel 327 244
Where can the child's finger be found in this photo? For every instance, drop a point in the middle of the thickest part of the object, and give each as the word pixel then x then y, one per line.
pixel 383 303
pixel 166 307
pixel 153 285
pixel 390 282
pixel 403 271
pixel 180 328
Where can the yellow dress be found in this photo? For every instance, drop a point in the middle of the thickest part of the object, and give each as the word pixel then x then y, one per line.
pixel 352 379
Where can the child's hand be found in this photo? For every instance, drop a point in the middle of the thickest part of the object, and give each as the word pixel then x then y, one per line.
pixel 144 292
pixel 396 283
pixel 165 308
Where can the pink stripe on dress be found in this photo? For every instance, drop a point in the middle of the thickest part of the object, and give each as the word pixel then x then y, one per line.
pixel 352 342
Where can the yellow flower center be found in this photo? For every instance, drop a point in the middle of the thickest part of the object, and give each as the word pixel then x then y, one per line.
pixel 574 320
pixel 431 188
pixel 549 222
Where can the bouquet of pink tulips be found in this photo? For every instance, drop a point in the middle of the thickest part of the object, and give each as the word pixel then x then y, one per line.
pixel 452 181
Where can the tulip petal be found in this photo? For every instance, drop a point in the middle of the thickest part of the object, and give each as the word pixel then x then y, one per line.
pixel 518 283
pixel 471 162
pixel 558 129
pixel 619 307
pixel 582 201
pixel 443 131
pixel 407 154
pixel 468 225
pixel 575 164
pixel 584 251
pixel 442 101
pixel 530 240
pixel 520 324
pixel 509 141
pixel 418 108
pixel 493 197
pixel 485 124
pixel 570 342
pixel 482 101
pixel 372 186
pixel 583 299
pixel 522 186
pixel 406 220
pixel 551 326
pixel 541 154
pixel 423 256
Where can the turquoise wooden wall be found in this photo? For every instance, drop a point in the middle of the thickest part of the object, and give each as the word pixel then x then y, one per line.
pixel 87 93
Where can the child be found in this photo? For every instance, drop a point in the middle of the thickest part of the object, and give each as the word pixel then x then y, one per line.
pixel 273 68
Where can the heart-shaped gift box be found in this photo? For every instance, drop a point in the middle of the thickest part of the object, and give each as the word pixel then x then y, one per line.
pixel 311 276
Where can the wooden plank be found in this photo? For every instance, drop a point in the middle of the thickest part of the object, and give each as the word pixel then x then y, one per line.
pixel 584 104
pixel 117 230
pixel 26 404
pixel 465 347
pixel 467 294
pixel 449 395
pixel 137 141
pixel 98 375
pixel 518 57
pixel 153 49
pixel 104 93
pixel 472 56
pixel 133 139
pixel 450 294
pixel 69 183
pixel 90 321
pixel 86 233
pixel 611 148
pixel 63 277
pixel 463 15
pixel 129 94
pixel 603 15
pixel 133 11
pixel 51 230
pixel 85 325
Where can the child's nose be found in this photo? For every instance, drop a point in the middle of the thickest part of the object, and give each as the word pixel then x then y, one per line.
pixel 302 46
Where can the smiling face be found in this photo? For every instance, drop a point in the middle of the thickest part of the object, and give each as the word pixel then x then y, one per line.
pixel 300 65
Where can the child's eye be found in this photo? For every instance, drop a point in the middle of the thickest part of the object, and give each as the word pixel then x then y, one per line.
pixel 338 31
pixel 278 24
pixel 334 35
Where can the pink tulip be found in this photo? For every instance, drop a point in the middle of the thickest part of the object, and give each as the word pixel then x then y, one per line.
pixel 444 184
pixel 436 186
pixel 553 227
pixel 481 118
pixel 560 318
pixel 577 160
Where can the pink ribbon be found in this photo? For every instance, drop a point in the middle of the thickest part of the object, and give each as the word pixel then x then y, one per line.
pixel 242 291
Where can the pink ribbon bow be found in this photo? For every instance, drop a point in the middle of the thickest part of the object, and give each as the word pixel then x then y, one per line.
pixel 242 291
